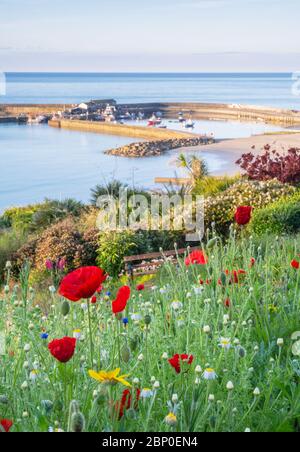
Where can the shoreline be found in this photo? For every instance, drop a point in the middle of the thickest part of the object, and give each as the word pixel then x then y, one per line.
pixel 198 110
pixel 229 150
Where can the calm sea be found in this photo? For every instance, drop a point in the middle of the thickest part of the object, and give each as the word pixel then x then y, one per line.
pixel 260 89
pixel 39 161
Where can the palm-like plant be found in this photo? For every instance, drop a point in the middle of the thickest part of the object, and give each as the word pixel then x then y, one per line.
pixel 196 166
pixel 53 210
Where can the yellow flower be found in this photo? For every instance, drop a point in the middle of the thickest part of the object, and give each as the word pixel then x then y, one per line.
pixel 109 378
pixel 171 419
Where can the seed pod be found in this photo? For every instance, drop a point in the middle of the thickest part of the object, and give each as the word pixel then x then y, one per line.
pixel 223 279
pixel 242 352
pixel 211 243
pixel 125 353
pixel 77 422
pixel 147 320
pixel 4 400
pixel 65 308
pixel 47 405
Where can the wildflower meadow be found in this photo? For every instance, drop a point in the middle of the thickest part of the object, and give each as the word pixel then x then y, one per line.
pixel 210 344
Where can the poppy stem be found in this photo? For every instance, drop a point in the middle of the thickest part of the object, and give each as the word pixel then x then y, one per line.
pixel 90 333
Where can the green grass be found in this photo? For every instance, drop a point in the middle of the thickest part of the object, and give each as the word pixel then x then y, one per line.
pixel 265 307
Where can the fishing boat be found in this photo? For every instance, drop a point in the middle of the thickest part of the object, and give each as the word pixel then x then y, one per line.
pixel 22 119
pixel 154 121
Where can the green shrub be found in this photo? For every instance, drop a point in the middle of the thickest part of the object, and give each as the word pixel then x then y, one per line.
pixel 280 217
pixel 10 242
pixel 20 218
pixel 39 216
pixel 220 209
pixel 210 185
pixel 113 247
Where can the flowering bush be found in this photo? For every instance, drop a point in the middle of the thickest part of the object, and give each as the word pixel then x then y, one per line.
pixel 63 240
pixel 221 209
pixel 272 165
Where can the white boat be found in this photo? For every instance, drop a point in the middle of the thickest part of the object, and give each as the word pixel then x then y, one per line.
pixel 189 124
pixel 154 121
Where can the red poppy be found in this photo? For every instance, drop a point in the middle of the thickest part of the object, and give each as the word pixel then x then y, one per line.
pixel 126 402
pixel 207 282
pixel 140 287
pixel 6 424
pixel 295 264
pixel 62 349
pixel 196 257
pixel 94 299
pixel 227 303
pixel 177 359
pixel 243 215
pixel 236 274
pixel 82 283
pixel 252 262
pixel 119 304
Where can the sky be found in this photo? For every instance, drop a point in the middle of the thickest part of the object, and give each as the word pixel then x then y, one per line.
pixel 149 35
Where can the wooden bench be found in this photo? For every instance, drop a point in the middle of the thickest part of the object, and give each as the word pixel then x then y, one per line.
pixel 149 264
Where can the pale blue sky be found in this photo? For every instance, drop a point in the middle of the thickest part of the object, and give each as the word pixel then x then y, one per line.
pixel 160 35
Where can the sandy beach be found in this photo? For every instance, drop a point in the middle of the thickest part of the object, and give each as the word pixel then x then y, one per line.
pixel 230 150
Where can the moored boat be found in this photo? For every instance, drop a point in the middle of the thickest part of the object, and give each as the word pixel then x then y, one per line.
pixel 189 124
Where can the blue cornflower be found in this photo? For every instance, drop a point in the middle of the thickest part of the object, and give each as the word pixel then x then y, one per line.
pixel 44 336
pixel 125 321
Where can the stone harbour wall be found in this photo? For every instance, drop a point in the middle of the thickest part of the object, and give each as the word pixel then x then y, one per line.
pixel 126 130
pixel 158 147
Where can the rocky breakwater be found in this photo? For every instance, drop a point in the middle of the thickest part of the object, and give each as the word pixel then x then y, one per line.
pixel 158 147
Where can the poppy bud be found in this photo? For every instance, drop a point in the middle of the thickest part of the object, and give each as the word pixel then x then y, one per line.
pixel 47 405
pixel 125 353
pixel 65 308
pixel 211 243
pixel 76 419
pixel 133 343
pixel 4 400
pixel 242 352
pixel 223 279
pixel 147 320
pixel 77 422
